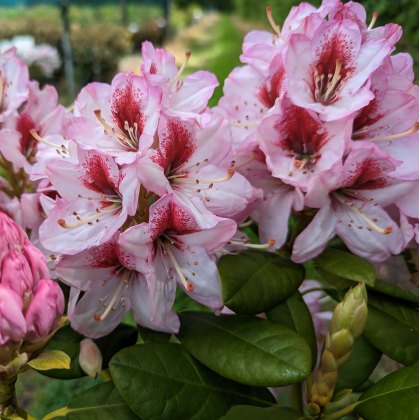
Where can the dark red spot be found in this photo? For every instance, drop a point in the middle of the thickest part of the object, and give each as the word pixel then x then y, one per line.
pixel 366 117
pixel 153 68
pixel 190 287
pixel 369 174
pixel 127 106
pixel 171 219
pixel 176 145
pixel 105 256
pixel 271 89
pixel 28 144
pixel 300 133
pixel 96 176
pixel 97 317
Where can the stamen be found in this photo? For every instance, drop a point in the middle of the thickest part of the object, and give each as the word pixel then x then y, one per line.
pixel 61 149
pixel 267 245
pixel 276 28
pixel 335 78
pixel 247 223
pixel 89 220
pixel 412 130
pixel 2 90
pixel 188 285
pixel 110 305
pixel 373 21
pixel 177 179
pixel 371 223
pixel 181 69
pixel 98 115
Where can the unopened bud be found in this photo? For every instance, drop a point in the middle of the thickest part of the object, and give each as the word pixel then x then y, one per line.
pixel 11 235
pixel 351 313
pixel 341 345
pixel 90 358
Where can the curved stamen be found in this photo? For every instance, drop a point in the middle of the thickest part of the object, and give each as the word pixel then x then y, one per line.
pixel 273 24
pixel 110 305
pixel 188 285
pixel 267 245
pixel 359 211
pixel 412 130
pixel 89 220
pixel 373 21
pixel 247 223
pixel 181 69
pixel 181 179
pixel 2 90
pixel 61 149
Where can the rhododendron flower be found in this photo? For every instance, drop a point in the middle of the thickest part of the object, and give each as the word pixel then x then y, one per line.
pixel 42 114
pixel 351 200
pixel 118 119
pixel 114 281
pixel 96 197
pixel 13 83
pixel 184 98
pixel 179 251
pixel 298 145
pixel 196 162
pixel 329 71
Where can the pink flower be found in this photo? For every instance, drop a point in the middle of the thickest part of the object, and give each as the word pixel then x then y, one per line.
pixel 120 119
pixel 329 71
pixel 13 325
pixel 351 199
pixel 298 145
pixel 13 83
pixel 114 282
pixel 179 251
pixel 96 198
pixel 196 163
pixel 42 114
pixel 185 98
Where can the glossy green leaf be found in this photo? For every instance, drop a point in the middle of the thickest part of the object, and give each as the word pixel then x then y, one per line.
pixel 246 349
pixel 357 369
pixel 294 314
pixel 151 336
pixel 247 412
pixel 254 282
pixel 392 327
pixel 51 359
pixel 394 397
pixel 183 303
pixel 163 381
pixel 334 263
pixel 98 403
pixel 395 291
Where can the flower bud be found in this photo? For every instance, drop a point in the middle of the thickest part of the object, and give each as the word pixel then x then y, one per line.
pixel 16 274
pixel 45 309
pixel 12 321
pixel 36 261
pixel 11 235
pixel 341 345
pixel 90 358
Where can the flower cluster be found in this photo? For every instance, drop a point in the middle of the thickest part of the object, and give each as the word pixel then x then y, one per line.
pixel 324 121
pixel 141 187
pixel 30 303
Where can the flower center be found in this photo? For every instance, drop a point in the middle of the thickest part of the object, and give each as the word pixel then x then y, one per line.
pixel 327 85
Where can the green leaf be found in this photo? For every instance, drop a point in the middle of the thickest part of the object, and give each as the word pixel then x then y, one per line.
pixel 395 291
pixel 247 412
pixel 151 336
pixel 68 341
pixel 392 327
pixel 357 369
pixel 51 359
pixel 99 402
pixel 123 336
pixel 246 349
pixel 393 397
pixel 254 282
pixel 294 314
pixel 335 265
pixel 162 381
pixel 184 303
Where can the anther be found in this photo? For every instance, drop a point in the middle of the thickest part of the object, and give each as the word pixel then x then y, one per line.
pixel 373 21
pixel 276 28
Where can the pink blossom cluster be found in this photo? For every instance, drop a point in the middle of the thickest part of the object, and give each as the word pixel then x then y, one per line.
pixel 141 187
pixel 325 123
pixel 30 303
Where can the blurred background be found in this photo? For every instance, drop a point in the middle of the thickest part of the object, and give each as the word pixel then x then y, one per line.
pixel 71 43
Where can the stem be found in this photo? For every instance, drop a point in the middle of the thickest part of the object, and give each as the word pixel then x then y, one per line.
pixel 60 412
pixel 297 402
pixel 7 391
pixel 343 412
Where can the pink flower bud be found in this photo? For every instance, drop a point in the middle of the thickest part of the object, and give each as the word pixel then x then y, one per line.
pixel 36 261
pixel 11 235
pixel 12 321
pixel 16 274
pixel 90 357
pixel 44 310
